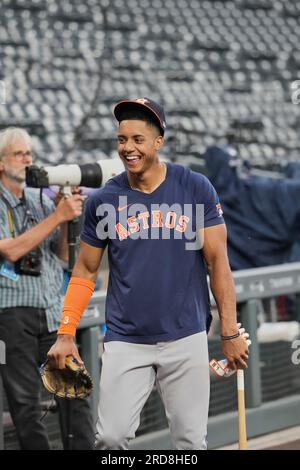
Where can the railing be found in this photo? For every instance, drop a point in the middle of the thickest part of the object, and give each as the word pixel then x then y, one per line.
pixel 251 286
pixel 89 342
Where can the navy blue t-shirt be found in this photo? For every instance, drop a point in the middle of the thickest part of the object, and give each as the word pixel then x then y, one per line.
pixel 157 288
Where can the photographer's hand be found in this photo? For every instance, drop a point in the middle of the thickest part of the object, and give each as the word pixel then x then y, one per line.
pixel 60 195
pixel 69 208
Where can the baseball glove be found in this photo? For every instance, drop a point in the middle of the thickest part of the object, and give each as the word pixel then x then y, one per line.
pixel 72 382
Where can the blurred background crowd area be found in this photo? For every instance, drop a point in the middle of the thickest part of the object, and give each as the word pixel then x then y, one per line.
pixel 222 69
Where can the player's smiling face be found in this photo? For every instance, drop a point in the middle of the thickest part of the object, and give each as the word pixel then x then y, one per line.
pixel 138 144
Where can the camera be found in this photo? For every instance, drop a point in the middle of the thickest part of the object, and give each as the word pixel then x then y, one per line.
pixel 91 175
pixel 30 264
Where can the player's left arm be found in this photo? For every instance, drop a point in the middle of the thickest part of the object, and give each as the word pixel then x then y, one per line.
pixel 222 287
pixel 221 281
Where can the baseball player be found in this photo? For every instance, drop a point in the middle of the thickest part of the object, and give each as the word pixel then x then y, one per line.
pixel 163 226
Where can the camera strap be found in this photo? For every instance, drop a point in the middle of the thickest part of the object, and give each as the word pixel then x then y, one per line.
pixel 11 222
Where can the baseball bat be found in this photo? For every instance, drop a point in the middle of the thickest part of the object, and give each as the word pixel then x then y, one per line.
pixel 241 410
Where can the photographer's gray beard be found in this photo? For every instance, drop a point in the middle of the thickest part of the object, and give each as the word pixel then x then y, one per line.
pixel 15 178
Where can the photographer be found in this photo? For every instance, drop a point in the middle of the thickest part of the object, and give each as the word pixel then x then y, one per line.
pixel 33 235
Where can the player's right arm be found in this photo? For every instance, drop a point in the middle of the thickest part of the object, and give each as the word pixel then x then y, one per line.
pixel 79 292
pixel 88 262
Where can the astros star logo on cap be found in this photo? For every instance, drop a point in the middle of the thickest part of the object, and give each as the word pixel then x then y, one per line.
pixel 142 100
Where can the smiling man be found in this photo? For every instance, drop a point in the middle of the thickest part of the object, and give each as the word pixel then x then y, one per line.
pixel 157 310
pixel 140 137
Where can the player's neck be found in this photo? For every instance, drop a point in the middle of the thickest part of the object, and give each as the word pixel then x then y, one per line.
pixel 149 180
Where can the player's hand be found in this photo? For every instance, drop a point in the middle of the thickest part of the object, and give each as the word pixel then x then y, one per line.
pixel 64 346
pixel 236 350
pixel 69 208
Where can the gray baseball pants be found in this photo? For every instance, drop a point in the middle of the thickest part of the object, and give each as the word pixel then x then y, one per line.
pixel 181 372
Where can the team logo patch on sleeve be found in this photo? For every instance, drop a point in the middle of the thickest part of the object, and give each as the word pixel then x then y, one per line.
pixel 219 210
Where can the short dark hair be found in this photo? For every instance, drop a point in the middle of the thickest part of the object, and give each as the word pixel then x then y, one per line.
pixel 141 115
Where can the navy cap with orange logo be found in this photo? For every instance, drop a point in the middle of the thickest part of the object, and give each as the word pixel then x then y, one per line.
pixel 154 108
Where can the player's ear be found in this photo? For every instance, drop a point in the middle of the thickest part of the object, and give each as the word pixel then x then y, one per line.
pixel 159 142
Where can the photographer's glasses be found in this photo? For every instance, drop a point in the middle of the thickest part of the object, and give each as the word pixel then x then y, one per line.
pixel 19 154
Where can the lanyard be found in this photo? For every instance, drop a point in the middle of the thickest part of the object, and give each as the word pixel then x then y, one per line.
pixel 10 222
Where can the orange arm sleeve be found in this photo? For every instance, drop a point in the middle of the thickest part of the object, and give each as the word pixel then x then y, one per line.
pixel 78 295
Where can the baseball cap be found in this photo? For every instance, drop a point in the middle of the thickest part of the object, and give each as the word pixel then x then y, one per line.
pixel 141 103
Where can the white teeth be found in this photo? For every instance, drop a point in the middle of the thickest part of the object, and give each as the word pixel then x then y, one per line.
pixel 132 158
